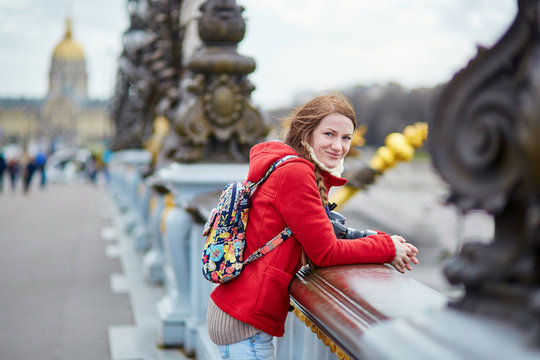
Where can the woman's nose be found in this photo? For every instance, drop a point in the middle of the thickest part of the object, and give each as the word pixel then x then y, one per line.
pixel 336 144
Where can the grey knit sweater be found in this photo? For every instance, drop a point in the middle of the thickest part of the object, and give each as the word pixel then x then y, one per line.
pixel 223 329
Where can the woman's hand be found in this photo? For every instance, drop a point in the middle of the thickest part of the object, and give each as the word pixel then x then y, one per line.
pixel 405 254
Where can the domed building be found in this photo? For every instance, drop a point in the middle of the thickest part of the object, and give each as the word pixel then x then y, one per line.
pixel 68 66
pixel 66 116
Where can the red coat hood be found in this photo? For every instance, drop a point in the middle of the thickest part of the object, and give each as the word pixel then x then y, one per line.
pixel 265 154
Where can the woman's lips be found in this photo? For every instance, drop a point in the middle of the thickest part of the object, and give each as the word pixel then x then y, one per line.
pixel 333 156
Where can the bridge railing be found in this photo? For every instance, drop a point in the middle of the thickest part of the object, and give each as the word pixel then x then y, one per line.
pixel 340 304
pixel 331 307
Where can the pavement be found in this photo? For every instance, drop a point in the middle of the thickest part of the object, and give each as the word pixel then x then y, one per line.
pixel 55 297
pixel 66 288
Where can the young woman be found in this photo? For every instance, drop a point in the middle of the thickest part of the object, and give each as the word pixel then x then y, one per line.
pixel 245 313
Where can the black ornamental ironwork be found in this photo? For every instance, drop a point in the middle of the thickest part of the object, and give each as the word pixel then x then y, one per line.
pixel 149 70
pixel 485 142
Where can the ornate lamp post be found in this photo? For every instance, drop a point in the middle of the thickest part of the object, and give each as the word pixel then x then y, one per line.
pixel 216 120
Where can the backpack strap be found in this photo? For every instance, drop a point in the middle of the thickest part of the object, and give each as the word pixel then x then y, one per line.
pixel 269 246
pixel 285 233
pixel 272 167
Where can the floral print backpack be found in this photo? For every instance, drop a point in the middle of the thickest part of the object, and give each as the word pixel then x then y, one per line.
pixel 225 231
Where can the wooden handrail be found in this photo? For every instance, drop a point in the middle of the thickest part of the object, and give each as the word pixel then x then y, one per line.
pixel 345 301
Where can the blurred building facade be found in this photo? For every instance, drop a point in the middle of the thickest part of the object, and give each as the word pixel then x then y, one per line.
pixel 66 115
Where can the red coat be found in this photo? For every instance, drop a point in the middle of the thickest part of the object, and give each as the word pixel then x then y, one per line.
pixel 259 296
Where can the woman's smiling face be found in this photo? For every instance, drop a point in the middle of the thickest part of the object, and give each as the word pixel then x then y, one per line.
pixel 331 139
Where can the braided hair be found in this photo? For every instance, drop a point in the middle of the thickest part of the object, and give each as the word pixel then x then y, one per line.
pixel 304 119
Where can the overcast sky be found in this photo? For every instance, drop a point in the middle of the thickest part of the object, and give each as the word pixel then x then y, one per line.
pixel 299 45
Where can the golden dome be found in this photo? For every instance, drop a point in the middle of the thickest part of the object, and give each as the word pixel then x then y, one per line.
pixel 68 49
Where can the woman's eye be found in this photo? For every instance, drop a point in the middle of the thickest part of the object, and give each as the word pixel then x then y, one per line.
pixel 348 138
pixel 328 134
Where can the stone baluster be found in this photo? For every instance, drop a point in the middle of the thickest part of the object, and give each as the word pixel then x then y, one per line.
pixel 153 260
pixel 182 310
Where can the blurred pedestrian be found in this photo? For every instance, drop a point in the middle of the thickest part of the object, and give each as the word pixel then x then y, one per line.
pixel 92 169
pixel 105 160
pixel 41 160
pixel 28 165
pixel 13 171
pixel 3 167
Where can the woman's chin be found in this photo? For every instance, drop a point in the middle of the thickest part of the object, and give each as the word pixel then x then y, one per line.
pixel 331 164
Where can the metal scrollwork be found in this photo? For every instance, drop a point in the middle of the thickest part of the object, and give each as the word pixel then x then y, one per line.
pixel 485 142
pixel 223 103
pixel 474 147
pixel 149 71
